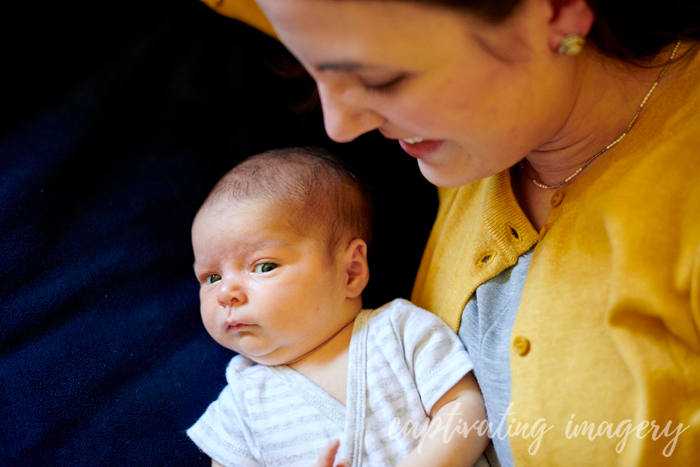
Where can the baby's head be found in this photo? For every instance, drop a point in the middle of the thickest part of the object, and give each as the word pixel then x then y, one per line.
pixel 280 251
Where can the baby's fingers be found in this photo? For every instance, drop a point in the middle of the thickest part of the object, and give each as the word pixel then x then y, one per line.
pixel 327 456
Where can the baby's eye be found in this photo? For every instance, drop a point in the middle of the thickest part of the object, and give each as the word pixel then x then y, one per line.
pixel 265 267
pixel 210 279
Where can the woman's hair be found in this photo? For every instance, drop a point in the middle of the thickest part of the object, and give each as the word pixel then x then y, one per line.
pixel 628 30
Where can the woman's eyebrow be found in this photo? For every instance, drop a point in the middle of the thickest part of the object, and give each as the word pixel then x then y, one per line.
pixel 340 66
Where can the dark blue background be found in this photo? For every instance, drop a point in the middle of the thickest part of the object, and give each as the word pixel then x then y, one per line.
pixel 116 119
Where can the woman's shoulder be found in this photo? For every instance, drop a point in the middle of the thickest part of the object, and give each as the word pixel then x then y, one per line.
pixel 246 11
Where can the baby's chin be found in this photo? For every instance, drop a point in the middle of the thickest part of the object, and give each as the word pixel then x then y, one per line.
pixel 249 346
pixel 264 360
pixel 273 358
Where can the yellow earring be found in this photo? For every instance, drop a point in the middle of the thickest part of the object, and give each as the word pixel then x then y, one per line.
pixel 571 45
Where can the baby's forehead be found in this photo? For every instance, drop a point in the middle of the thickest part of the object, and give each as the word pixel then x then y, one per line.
pixel 275 213
pixel 274 208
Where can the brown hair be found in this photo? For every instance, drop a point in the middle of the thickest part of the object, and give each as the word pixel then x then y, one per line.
pixel 317 190
pixel 627 30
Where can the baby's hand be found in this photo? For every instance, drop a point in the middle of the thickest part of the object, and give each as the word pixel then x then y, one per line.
pixel 327 456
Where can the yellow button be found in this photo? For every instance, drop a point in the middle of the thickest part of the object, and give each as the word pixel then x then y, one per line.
pixel 521 345
pixel 557 198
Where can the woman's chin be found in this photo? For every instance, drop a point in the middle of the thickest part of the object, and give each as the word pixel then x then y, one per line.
pixel 443 177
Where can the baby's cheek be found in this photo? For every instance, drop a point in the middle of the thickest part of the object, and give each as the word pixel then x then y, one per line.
pixel 209 321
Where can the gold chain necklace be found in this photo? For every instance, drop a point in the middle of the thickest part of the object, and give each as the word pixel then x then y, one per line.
pixel 619 138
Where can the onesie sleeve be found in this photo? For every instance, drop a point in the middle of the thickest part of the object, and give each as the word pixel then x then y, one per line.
pixel 434 353
pixel 223 432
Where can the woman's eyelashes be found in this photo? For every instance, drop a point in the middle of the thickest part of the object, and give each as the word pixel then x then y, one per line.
pixel 264 268
pixel 385 86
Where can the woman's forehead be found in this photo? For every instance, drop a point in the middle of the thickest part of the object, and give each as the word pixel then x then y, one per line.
pixel 351 34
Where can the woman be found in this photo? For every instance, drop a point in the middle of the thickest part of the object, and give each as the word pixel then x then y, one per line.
pixel 566 249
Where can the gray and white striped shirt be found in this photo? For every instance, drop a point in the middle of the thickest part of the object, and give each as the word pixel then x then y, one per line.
pixel 401 361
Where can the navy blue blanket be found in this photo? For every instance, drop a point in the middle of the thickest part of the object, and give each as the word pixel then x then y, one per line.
pixel 116 119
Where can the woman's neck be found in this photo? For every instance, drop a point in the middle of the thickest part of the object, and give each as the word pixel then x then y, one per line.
pixel 609 96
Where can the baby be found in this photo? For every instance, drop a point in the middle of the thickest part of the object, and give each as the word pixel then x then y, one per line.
pixel 280 251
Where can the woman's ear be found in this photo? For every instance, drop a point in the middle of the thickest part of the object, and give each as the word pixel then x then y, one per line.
pixel 356 267
pixel 568 18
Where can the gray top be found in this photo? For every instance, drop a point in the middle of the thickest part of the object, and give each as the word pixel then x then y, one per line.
pixel 487 322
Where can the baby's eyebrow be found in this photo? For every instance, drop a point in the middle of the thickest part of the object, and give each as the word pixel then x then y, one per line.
pixel 251 247
pixel 265 243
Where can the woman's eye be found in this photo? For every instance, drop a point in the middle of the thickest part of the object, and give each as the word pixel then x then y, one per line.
pixel 210 279
pixel 385 86
pixel 265 267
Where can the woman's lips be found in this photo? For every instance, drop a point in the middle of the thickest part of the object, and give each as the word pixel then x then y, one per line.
pixel 421 149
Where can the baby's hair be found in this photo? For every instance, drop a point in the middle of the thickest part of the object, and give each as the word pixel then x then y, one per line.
pixel 316 189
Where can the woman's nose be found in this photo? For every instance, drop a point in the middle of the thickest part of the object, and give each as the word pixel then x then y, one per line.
pixel 344 119
pixel 231 293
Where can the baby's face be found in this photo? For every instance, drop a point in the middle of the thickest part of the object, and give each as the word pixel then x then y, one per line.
pixel 265 291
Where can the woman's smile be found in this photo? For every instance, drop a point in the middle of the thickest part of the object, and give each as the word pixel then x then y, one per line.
pixel 422 148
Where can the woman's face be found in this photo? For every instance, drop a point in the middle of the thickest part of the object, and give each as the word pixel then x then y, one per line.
pixel 480 96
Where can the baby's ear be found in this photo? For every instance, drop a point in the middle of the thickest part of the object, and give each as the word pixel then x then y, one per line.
pixel 356 267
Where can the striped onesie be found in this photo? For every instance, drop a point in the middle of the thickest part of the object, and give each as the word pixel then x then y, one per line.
pixel 402 359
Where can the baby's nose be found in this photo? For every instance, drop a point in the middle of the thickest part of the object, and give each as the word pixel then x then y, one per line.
pixel 231 293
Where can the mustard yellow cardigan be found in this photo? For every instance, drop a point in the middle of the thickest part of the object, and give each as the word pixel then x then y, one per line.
pixel 246 11
pixel 607 332
pixel 608 326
